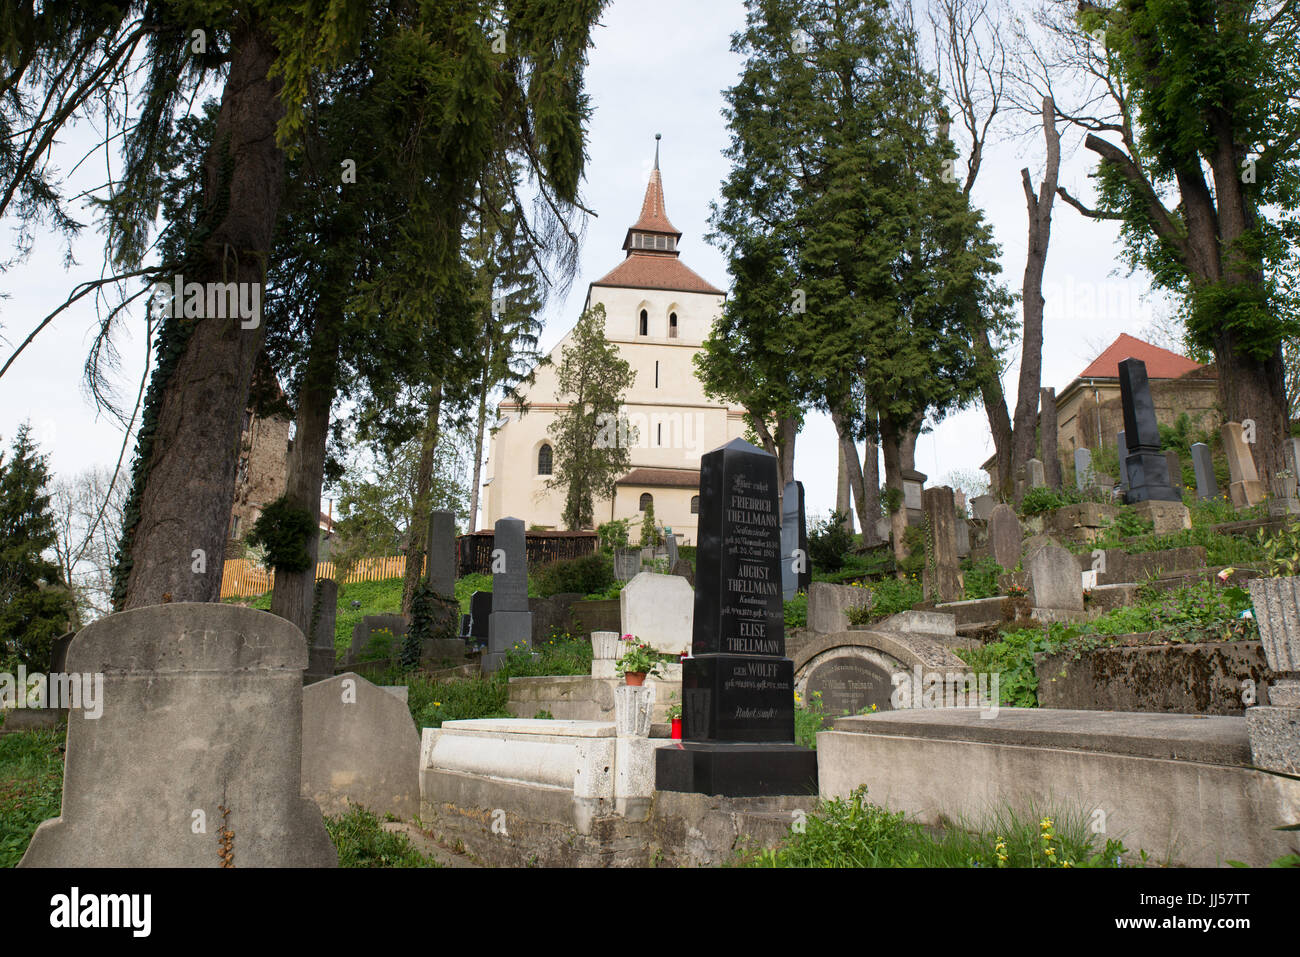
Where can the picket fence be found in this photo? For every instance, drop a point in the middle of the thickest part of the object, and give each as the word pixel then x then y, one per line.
pixel 240 578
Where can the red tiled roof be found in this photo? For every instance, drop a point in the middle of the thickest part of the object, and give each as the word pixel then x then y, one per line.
pixel 1160 363
pixel 662 478
pixel 647 270
pixel 654 217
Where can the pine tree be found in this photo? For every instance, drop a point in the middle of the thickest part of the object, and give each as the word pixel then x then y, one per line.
pixel 35 604
pixel 591 441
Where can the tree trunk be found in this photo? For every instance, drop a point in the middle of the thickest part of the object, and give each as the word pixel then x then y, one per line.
pixel 177 544
pixel 870 487
pixel 418 530
pixel 843 496
pixel 891 445
pixel 787 431
pixel 995 408
pixel 476 472
pixel 295 592
pixel 1040 233
pixel 1048 428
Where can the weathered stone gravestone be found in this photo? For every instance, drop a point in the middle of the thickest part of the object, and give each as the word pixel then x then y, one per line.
pixel 321 654
pixel 1035 474
pixel 442 554
pixel 1275 730
pixel 1082 468
pixel 1175 466
pixel 511 623
pixel 963 537
pixel 658 609
pixel 480 612
pixel 1005 537
pixel 983 506
pixel 942 575
pixel 805 567
pixel 829 605
pixel 1056 587
pixel 848 684
pixel 605 652
pixel 1207 487
pixel 1245 489
pixel 377 636
pixel 359 747
pixel 1144 465
pixel 201 708
pixel 670 546
pixel 789 541
pixel 627 563
pixel 683 569
pixel 738 686
pixel 913 486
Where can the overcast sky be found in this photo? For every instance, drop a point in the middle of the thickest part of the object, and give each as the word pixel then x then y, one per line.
pixel 655 68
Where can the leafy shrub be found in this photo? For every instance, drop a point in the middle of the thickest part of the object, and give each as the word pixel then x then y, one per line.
pixel 889 596
pixel 1282 551
pixel 284 531
pixel 981 578
pixel 914 564
pixel 584 575
pixel 612 535
pixel 829 542
pixel 796 611
pixel 1043 499
pixel 1128 524
pixel 31 788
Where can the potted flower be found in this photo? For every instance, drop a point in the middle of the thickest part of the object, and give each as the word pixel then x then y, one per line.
pixel 674 712
pixel 637 662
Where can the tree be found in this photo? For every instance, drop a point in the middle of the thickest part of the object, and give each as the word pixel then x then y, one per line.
pixel 591 438
pixel 1191 111
pixel 35 603
pixel 88 511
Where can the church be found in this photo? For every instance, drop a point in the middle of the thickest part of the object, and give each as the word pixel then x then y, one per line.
pixel 658 312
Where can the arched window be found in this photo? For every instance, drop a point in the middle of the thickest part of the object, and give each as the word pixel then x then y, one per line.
pixel 672 325
pixel 544 460
pixel 695 505
pixel 647 500
pixel 645 323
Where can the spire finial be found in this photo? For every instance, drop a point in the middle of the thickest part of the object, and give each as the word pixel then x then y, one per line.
pixel 658 137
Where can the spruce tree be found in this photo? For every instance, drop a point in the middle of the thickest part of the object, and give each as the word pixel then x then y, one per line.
pixel 35 603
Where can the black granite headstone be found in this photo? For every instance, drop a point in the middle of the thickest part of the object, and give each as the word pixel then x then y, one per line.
pixel 480 609
pixel 805 576
pixel 1145 464
pixel 738 686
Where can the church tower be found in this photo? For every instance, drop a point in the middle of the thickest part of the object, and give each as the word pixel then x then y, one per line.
pixel 658 311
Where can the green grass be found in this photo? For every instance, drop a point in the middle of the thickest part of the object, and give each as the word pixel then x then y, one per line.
pixel 1220 549
pixel 854 833
pixel 31 788
pixel 362 842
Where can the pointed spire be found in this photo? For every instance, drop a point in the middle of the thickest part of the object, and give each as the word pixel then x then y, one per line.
pixel 658 137
pixel 652 231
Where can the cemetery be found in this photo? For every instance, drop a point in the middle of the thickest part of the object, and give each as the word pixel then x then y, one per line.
pixel 476 550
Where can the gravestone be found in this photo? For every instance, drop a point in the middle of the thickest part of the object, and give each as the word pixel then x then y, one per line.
pixel 829 604
pixel 442 554
pixel 738 686
pixel 983 506
pixel 1291 450
pixel 1123 457
pixel 480 612
pixel 466 623
pixel 1056 588
pixel 320 654
pixel 963 537
pixel 1245 490
pixel 1207 487
pixel 627 563
pixel 848 683
pixel 1082 468
pixel 59 652
pixel 359 747
pixel 913 486
pixel 683 569
pixel 1175 467
pixel 657 609
pixel 605 652
pixel 1144 465
pixel 200 708
pixel 1035 474
pixel 805 567
pixel 789 540
pixel 380 629
pixel 670 543
pixel 942 575
pixel 1005 536
pixel 511 623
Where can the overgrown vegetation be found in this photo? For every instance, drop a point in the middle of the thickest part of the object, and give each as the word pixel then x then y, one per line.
pixel 31 788
pixel 362 842
pixel 584 575
pixel 855 833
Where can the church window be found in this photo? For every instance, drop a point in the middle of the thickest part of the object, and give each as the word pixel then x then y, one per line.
pixel 647 500
pixel 659 440
pixel 645 323
pixel 695 505
pixel 544 460
pixel 656 373
pixel 672 325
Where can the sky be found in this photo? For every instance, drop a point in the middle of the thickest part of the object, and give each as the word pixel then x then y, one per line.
pixel 655 68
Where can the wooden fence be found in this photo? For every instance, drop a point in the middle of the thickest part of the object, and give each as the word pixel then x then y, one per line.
pixel 241 579
pixel 474 552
